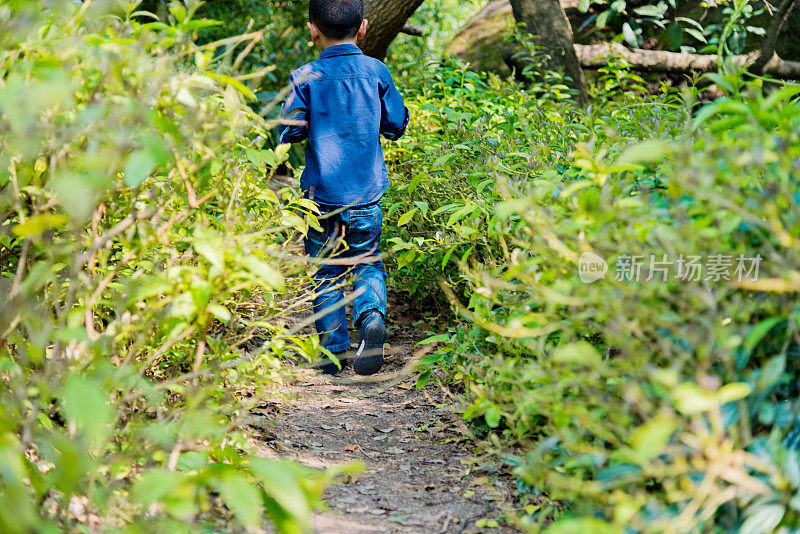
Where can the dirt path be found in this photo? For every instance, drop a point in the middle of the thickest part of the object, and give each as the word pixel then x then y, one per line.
pixel 416 457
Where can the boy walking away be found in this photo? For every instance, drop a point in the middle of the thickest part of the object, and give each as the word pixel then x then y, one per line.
pixel 342 103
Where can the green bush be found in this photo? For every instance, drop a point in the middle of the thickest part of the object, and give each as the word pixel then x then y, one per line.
pixel 140 246
pixel 636 405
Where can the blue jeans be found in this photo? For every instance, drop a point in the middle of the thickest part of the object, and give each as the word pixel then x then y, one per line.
pixel 351 233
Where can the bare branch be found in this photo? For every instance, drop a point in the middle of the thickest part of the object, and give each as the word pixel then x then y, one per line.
pixel 596 56
pixel 411 29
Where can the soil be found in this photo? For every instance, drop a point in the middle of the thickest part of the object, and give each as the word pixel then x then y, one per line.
pixel 420 475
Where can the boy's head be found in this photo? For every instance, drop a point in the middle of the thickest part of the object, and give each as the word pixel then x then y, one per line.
pixel 336 21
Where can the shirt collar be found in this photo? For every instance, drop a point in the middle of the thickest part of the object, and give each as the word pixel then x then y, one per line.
pixel 340 50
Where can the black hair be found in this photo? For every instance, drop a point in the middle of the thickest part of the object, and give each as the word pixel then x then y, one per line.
pixel 337 19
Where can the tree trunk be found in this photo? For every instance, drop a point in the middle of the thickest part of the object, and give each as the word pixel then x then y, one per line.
pixel 596 56
pixel 767 51
pixel 546 20
pixel 386 19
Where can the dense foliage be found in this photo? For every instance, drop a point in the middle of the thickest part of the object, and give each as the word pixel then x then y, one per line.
pixel 735 26
pixel 652 399
pixel 141 247
pixel 148 258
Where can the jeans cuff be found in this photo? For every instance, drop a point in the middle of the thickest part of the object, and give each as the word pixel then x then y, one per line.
pixel 344 347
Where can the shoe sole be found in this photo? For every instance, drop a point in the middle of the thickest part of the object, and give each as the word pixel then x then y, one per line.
pixel 331 368
pixel 369 358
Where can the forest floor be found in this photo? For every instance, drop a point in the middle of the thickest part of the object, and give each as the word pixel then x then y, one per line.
pixel 420 473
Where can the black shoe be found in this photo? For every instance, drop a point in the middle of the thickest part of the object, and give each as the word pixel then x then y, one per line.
pixel 328 367
pixel 369 358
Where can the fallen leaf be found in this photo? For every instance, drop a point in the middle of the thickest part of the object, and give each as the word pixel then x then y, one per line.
pixel 351 448
pixel 480 481
pixel 405 386
pixel 377 511
pixel 383 430
pixel 380 438
pixel 348 426
pixel 327 427
pixel 395 450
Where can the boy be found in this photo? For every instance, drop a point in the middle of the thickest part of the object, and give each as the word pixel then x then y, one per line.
pixel 342 103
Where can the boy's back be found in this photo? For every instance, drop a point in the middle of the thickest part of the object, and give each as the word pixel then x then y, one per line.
pixel 342 103
pixel 347 100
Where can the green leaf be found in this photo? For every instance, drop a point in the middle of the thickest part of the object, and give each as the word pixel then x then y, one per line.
pixel 406 217
pixel 39 224
pixel 772 372
pixel 762 519
pixel 233 82
pixel 210 245
pixel 415 181
pixel 650 439
pixel 220 312
pixel 696 34
pixel 690 399
pixel 268 159
pixel 644 152
pixel 791 467
pixel 651 10
pixel 242 497
pixel 440 338
pixel 759 331
pixel 423 379
pixel 602 19
pixel 459 214
pixel 87 405
pixel 493 416
pixel 444 160
pixel 150 286
pixel 733 392
pixel 447 255
pixel 77 194
pixel 578 353
pixel 292 220
pixel 269 275
pixel 154 486
pixel 630 35
pixel 138 167
pixel 281 481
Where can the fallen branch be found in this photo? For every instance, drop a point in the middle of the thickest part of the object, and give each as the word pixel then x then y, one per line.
pixel 411 29
pixel 596 56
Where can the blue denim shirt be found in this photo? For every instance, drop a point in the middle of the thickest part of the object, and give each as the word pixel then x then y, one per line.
pixel 343 102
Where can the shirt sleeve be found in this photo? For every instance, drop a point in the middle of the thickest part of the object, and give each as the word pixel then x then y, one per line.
pixel 394 113
pixel 294 109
